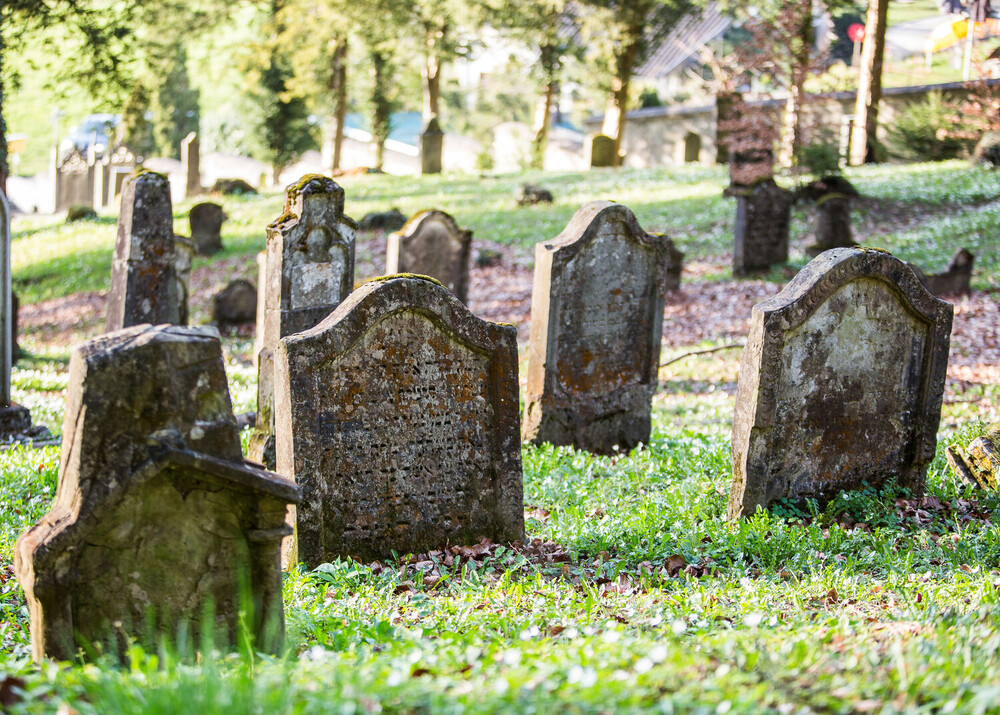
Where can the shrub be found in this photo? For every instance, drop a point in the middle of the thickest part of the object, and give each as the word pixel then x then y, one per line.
pixel 924 131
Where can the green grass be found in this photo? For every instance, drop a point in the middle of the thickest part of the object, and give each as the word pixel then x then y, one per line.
pixel 634 593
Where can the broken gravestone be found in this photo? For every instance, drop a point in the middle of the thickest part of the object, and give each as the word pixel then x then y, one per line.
pixel 432 244
pixel 398 417
pixel 309 270
pixel 763 213
pixel 206 227
pixel 840 383
pixel 144 286
pixel 978 464
pixel 235 304
pixel 596 326
pixel 158 524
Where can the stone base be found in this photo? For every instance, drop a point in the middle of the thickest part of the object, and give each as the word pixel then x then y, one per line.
pixel 15 420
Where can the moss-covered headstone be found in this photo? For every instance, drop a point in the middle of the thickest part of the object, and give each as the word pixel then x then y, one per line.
pixel 398 417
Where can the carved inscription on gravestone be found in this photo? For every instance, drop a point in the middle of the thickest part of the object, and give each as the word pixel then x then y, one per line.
pixel 308 270
pixel 432 244
pixel 596 324
pixel 398 417
pixel 143 272
pixel 840 383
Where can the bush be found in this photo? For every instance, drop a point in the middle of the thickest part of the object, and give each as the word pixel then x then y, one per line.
pixel 821 158
pixel 923 132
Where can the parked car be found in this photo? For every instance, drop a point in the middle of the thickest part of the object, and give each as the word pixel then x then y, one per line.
pixel 96 129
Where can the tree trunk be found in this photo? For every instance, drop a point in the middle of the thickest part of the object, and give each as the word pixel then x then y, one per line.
pixel 381 105
pixel 801 54
pixel 4 169
pixel 870 82
pixel 432 73
pixel 543 113
pixel 615 115
pixel 337 84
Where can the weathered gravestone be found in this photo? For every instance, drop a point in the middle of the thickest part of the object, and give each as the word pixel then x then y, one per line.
pixel 183 261
pixel 831 215
pixel 596 326
pixel 74 180
pixel 763 213
pixel 144 287
pixel 309 270
pixel 840 383
pixel 15 419
pixel 236 303
pixel 158 522
pixel 398 417
pixel 431 147
pixel 602 152
pixel 432 244
pixel 206 227
pixel 978 465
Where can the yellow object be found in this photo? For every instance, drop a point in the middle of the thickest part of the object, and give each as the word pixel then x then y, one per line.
pixel 946 35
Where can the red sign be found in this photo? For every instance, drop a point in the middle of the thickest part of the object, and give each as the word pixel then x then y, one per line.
pixel 856 32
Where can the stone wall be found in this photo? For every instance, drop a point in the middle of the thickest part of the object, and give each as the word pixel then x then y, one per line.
pixel 656 136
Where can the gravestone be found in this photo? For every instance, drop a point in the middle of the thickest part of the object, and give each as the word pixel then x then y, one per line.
pixel 191 164
pixel 596 326
pixel 309 270
pixel 398 417
pixel 206 227
pixel 602 152
pixel 432 244
pixel 691 148
pixel 74 183
pixel 157 521
pixel 143 273
pixel 431 147
pixel 840 383
pixel 183 261
pixel 763 213
pixel 831 215
pixel 978 465
pixel 15 419
pixel 234 304
pixel 954 279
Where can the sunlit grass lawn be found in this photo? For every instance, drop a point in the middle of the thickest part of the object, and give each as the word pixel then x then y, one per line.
pixel 657 602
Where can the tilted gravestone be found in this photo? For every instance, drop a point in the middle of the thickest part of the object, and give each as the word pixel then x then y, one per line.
pixel 596 326
pixel 144 286
pixel 308 271
pixel 840 383
pixel 398 417
pixel 432 244
pixel 158 523
pixel 206 227
pixel 763 213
